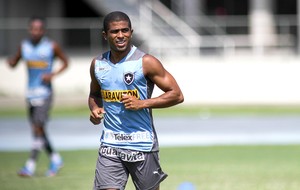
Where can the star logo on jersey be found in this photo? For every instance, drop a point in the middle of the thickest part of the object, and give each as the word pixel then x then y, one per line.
pixel 128 78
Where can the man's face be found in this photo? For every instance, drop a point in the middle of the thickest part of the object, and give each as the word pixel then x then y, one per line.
pixel 36 30
pixel 118 36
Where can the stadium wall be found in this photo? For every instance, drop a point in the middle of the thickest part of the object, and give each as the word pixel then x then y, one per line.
pixel 238 80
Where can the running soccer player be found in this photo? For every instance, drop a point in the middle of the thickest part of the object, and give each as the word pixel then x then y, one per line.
pixel 122 81
pixel 39 53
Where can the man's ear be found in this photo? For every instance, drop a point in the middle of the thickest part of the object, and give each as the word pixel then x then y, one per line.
pixel 104 35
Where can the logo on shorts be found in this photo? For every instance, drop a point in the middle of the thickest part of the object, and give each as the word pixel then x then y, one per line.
pixel 128 78
pixel 125 155
pixel 133 156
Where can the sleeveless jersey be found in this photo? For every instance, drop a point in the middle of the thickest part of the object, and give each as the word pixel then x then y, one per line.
pixel 123 128
pixel 39 59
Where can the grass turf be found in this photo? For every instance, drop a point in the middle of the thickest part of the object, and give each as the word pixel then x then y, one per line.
pixel 180 110
pixel 208 168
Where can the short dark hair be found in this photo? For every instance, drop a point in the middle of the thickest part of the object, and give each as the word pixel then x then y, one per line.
pixel 115 16
pixel 34 18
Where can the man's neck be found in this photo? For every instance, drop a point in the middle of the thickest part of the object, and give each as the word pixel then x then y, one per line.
pixel 116 57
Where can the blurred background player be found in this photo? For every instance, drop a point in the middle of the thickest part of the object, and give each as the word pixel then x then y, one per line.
pixel 39 53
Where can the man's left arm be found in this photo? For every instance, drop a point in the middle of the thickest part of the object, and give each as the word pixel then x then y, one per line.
pixel 154 70
pixel 63 60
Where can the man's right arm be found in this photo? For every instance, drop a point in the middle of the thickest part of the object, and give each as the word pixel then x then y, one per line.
pixel 95 99
pixel 13 61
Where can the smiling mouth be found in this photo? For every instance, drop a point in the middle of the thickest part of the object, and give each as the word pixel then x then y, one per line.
pixel 121 43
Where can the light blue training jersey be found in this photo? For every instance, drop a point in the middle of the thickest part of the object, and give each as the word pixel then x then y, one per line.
pixel 123 128
pixel 39 59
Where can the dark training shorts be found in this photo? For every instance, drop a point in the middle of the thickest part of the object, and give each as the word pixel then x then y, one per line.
pixel 115 165
pixel 38 110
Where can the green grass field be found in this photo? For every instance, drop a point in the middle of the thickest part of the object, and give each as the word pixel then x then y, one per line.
pixel 208 168
pixel 180 110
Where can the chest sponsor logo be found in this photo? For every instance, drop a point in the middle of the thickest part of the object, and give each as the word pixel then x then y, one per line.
pixel 37 64
pixel 128 78
pixel 38 92
pixel 112 137
pixel 116 95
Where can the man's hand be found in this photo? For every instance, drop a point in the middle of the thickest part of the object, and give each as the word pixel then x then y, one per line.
pixel 131 102
pixel 47 77
pixel 97 115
